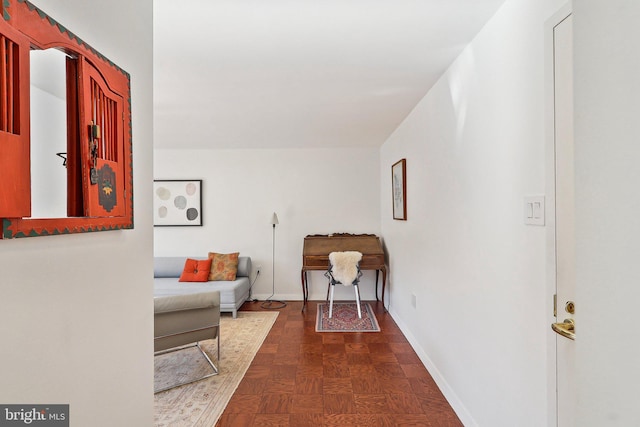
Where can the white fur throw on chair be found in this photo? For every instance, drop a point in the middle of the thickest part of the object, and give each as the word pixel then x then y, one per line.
pixel 344 265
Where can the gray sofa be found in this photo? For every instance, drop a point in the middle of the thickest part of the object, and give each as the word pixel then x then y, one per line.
pixel 233 294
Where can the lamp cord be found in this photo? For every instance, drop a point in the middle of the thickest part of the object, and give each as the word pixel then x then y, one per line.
pixel 251 287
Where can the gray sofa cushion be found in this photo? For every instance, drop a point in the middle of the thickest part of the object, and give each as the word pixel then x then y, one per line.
pixel 229 290
pixel 186 302
pixel 172 266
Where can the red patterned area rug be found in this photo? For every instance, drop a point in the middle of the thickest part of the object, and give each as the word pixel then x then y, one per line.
pixel 345 318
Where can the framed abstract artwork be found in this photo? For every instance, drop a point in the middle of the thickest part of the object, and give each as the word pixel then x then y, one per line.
pixel 399 189
pixel 177 202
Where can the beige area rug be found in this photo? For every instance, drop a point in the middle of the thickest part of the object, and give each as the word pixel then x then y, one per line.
pixel 201 403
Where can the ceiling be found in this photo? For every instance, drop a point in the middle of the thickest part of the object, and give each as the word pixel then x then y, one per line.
pixel 300 73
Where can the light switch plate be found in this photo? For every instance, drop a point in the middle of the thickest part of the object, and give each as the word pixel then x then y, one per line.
pixel 534 210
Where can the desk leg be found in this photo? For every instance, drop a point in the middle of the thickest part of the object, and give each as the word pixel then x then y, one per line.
pixel 305 289
pixel 384 284
pixel 377 272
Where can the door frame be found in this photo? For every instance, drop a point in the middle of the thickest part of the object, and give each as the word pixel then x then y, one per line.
pixel 550 206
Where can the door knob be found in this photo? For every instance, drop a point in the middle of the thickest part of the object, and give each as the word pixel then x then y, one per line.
pixel 567 328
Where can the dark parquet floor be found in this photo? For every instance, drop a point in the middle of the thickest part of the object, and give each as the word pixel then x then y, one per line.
pixel 301 378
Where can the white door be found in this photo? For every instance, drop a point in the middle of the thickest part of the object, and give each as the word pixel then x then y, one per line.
pixel 607 131
pixel 566 309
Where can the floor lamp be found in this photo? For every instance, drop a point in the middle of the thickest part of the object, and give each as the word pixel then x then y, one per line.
pixel 269 302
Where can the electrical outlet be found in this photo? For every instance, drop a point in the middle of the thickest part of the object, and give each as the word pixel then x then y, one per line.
pixel 258 268
pixel 413 300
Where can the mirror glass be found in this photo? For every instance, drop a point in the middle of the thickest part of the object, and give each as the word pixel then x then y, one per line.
pixel 48 134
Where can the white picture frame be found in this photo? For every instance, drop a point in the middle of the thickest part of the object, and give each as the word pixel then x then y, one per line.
pixel 177 202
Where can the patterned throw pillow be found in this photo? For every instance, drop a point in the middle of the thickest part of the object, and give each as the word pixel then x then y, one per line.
pixel 195 270
pixel 223 266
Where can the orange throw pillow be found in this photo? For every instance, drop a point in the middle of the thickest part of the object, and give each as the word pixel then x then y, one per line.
pixel 223 266
pixel 196 270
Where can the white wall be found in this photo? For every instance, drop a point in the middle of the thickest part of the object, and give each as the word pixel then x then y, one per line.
pixel 313 191
pixel 76 310
pixel 607 65
pixel 474 148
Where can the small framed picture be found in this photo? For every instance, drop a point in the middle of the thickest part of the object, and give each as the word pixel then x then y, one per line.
pixel 177 202
pixel 399 189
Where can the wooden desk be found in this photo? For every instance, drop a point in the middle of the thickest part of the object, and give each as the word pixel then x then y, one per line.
pixel 316 250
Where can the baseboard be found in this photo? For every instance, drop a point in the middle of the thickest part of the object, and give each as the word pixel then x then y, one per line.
pixel 281 297
pixel 460 410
